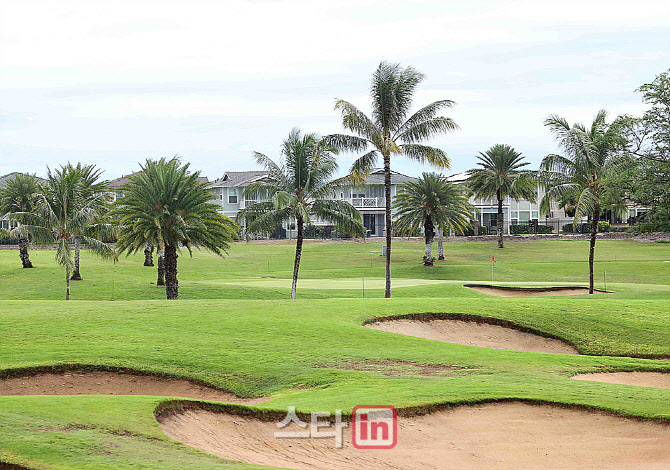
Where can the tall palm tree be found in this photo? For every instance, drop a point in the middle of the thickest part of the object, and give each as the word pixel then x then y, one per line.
pixel 431 203
pixel 62 212
pixel 299 188
pixel 591 155
pixel 18 196
pixel 391 132
pixel 91 190
pixel 501 175
pixel 165 205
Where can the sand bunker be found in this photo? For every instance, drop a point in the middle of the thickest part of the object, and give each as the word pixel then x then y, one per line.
pixel 504 291
pixel 641 379
pixel 113 383
pixel 495 436
pixel 475 334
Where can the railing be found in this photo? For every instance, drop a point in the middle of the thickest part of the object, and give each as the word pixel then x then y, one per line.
pixel 371 202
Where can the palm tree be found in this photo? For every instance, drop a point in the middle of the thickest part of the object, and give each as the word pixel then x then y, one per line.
pixel 148 255
pixel 62 212
pixel 431 203
pixel 390 131
pixel 299 187
pixel 167 206
pixel 91 191
pixel 18 196
pixel 591 155
pixel 501 175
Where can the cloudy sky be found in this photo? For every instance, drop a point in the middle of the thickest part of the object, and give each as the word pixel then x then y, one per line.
pixel 113 83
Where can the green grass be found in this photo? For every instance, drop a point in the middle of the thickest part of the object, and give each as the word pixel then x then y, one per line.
pixel 225 331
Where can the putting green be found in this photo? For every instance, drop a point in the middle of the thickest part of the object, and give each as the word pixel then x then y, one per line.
pixel 351 283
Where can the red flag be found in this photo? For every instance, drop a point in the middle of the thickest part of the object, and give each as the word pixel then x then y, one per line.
pixel 493 258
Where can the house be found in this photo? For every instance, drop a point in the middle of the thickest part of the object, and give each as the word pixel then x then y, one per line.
pixel 369 199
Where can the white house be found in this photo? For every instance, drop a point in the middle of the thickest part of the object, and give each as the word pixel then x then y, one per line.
pixel 369 200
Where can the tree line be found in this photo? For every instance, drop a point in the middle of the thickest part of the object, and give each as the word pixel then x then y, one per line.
pixel 165 208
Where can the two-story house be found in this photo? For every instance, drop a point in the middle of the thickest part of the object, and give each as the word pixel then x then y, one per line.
pixel 369 199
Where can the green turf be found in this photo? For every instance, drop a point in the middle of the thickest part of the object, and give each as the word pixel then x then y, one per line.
pixel 226 334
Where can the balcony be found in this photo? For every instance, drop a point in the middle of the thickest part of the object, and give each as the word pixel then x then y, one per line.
pixel 367 202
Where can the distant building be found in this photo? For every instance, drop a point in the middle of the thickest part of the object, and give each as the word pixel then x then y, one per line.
pixel 369 200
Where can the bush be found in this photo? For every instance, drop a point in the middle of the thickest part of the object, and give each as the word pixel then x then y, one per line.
pixel 470 231
pixel 6 238
pixel 603 226
pixel 522 229
pixel 652 226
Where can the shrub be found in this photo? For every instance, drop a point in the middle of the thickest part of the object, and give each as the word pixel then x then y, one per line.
pixel 470 231
pixel 653 226
pixel 522 229
pixel 6 238
pixel 603 226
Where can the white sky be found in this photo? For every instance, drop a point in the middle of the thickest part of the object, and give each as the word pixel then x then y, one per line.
pixel 113 83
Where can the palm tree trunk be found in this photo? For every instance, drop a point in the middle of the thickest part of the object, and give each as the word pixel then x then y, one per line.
pixel 430 235
pixel 298 254
pixel 387 194
pixel 499 221
pixel 171 283
pixel 67 283
pixel 592 245
pixel 23 252
pixel 77 249
pixel 161 269
pixel 148 258
pixel 440 248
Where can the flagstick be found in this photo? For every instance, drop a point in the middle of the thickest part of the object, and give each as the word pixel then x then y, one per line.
pixel 492 269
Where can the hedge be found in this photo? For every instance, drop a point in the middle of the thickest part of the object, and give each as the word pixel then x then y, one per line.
pixel 522 229
pixel 603 226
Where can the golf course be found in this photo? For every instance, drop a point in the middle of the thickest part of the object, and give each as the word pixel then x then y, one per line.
pixel 120 378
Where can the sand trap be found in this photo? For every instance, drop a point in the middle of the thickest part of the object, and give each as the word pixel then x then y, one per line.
pixel 641 379
pixel 495 436
pixel 475 334
pixel 503 291
pixel 113 383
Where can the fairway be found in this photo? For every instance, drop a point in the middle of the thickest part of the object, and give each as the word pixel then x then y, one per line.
pixel 332 283
pixel 235 334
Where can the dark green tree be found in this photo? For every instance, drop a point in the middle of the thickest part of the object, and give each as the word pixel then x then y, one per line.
pixel 62 212
pixel 18 196
pixel 501 174
pixel 431 203
pixel 166 205
pixel 590 157
pixel 94 194
pixel 391 130
pixel 300 187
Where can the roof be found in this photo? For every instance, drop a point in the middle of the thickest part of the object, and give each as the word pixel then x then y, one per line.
pixel 12 175
pixel 458 177
pixel 118 182
pixel 376 176
pixel 232 179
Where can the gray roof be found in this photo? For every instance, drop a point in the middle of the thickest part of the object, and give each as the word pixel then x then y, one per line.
pixel 233 179
pixel 377 177
pixel 12 175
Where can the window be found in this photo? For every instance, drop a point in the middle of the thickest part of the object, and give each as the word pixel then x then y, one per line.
pixel 232 196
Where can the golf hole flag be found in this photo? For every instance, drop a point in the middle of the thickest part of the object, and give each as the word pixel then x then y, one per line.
pixel 493 258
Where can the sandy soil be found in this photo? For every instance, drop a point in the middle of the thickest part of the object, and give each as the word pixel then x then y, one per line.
pixel 531 291
pixel 475 334
pixel 641 379
pixel 495 436
pixel 112 383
